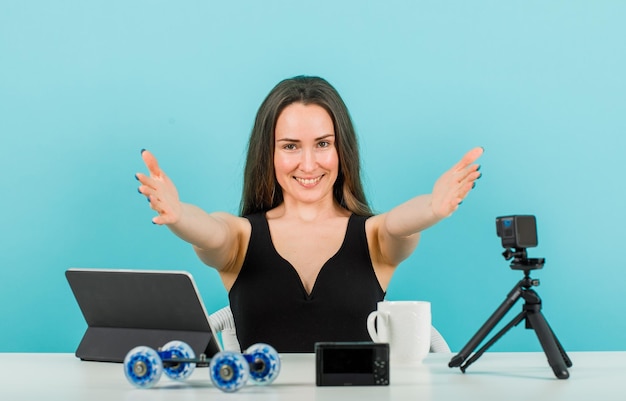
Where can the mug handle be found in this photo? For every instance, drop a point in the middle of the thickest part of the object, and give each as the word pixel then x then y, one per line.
pixel 371 328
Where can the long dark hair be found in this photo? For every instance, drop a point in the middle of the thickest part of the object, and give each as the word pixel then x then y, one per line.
pixel 261 191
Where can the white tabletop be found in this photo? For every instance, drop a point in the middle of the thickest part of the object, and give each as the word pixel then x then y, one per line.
pixel 495 376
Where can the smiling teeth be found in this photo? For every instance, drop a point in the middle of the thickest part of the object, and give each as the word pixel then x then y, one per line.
pixel 308 181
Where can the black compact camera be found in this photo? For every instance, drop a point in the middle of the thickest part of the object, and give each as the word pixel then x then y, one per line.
pixel 518 231
pixel 351 364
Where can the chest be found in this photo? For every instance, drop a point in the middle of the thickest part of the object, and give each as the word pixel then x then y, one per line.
pixel 308 248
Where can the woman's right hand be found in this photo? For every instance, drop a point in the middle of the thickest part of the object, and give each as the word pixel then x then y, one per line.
pixel 160 191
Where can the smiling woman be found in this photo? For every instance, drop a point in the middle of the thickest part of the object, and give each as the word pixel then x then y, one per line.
pixel 260 187
pixel 306 162
pixel 307 260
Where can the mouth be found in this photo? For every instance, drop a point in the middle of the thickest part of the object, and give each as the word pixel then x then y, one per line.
pixel 308 182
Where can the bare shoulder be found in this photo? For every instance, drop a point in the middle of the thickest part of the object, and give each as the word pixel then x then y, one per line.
pixel 387 250
pixel 376 243
pixel 231 235
pixel 234 224
pixel 229 260
pixel 374 223
pixel 238 230
pixel 372 231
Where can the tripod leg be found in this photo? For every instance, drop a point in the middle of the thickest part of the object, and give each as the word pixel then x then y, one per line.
pixel 549 343
pixel 493 320
pixel 516 320
pixel 568 362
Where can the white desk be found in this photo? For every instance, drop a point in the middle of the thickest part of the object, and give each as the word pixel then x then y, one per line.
pixel 495 376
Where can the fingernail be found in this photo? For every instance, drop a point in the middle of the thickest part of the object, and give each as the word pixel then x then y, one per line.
pixel 481 174
pixel 137 178
pixel 483 148
pixel 473 185
pixel 138 190
pixel 478 169
pixel 142 150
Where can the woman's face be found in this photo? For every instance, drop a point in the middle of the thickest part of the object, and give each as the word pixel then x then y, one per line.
pixel 306 162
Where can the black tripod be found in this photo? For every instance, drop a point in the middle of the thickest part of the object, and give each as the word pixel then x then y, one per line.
pixel 531 312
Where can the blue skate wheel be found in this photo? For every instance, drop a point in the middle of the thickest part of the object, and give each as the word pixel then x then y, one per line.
pixel 143 367
pixel 182 370
pixel 229 371
pixel 264 363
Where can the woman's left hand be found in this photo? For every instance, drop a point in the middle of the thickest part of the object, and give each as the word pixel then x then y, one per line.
pixel 454 185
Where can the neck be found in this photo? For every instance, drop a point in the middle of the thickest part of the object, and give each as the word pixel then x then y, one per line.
pixel 307 212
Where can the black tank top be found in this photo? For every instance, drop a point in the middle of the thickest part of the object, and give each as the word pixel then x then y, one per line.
pixel 270 304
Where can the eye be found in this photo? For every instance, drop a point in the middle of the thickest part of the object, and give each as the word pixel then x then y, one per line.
pixel 323 144
pixel 289 146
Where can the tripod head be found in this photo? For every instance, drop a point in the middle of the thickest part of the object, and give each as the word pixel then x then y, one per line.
pixel 521 261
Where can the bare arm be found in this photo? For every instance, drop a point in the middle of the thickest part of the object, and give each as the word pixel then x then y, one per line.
pixel 216 237
pixel 399 229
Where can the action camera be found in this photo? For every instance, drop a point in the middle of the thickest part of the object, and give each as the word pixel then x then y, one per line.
pixel 519 231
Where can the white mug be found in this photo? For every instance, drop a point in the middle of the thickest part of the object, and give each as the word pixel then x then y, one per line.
pixel 405 325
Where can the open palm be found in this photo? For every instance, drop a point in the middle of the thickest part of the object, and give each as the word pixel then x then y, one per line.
pixel 454 185
pixel 160 191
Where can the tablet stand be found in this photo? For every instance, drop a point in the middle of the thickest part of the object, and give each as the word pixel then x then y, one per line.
pixel 531 313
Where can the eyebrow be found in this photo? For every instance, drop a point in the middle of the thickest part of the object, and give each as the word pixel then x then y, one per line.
pixel 297 140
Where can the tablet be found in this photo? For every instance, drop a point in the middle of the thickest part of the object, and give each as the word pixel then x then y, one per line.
pixel 127 308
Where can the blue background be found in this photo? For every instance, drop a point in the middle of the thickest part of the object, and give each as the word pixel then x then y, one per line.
pixel 85 85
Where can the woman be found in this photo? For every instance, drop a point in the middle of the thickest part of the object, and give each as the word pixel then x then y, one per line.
pixel 307 260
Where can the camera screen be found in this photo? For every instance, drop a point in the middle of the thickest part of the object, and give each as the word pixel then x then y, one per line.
pixel 507 228
pixel 348 360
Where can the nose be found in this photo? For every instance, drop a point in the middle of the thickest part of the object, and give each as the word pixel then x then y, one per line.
pixel 308 162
